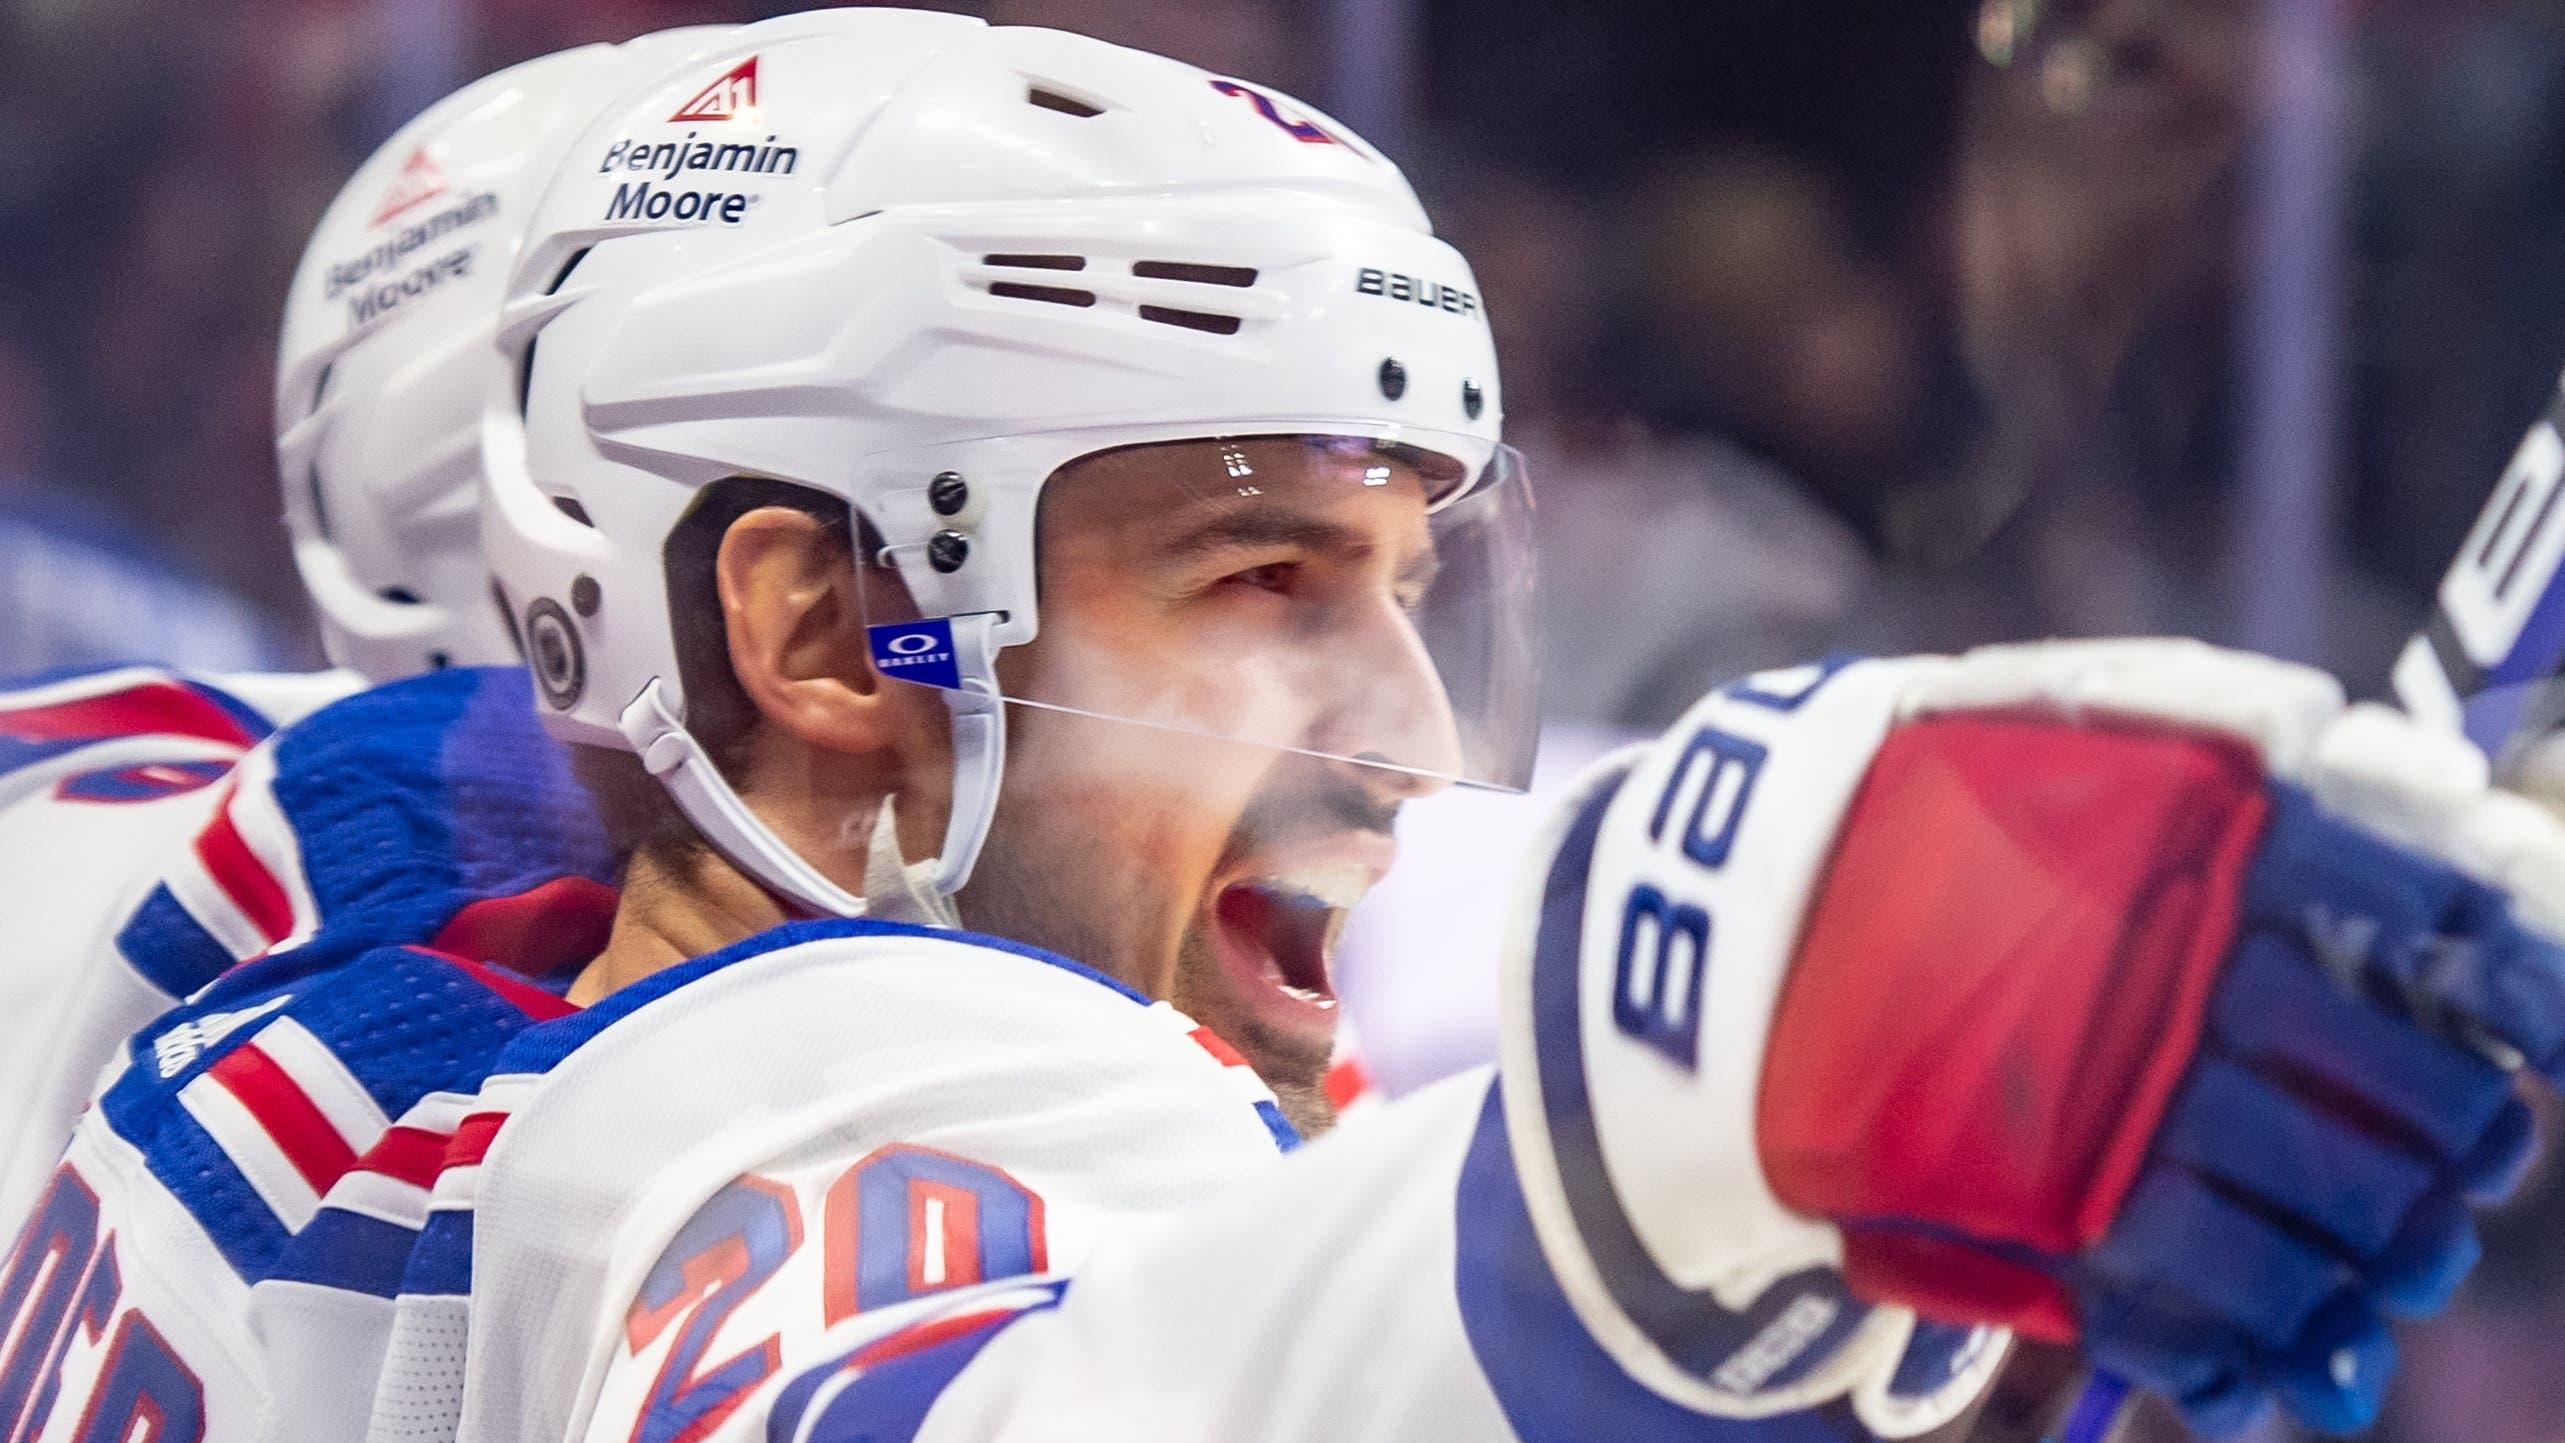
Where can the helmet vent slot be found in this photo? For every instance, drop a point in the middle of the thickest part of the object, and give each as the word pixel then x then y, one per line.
pixel 525 379
pixel 1055 295
pixel 1037 263
pixel 320 502
pixel 1198 274
pixel 1191 320
pixel 1049 99
pixel 562 275
pixel 569 507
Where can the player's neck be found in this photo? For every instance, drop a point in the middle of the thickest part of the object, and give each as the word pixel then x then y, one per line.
pixel 672 912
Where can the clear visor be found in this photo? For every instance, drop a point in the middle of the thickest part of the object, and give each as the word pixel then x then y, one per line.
pixel 1338 597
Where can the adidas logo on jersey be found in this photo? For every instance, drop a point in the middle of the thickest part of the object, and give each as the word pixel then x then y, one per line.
pixel 725 98
pixel 181 1045
pixel 419 182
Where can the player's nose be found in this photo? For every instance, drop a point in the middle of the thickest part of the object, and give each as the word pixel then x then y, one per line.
pixel 1388 706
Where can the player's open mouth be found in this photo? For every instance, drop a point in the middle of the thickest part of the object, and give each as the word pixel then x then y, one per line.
pixel 1277 935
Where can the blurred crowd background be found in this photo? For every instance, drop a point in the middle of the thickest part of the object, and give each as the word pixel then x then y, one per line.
pixel 1885 324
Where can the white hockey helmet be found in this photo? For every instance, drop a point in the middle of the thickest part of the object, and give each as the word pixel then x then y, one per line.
pixel 385 351
pixel 925 266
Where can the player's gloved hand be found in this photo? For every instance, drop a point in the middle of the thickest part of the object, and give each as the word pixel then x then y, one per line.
pixel 2131 993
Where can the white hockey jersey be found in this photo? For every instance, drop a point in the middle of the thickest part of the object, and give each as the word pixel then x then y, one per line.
pixel 845 1181
pixel 116 816
pixel 806 1231
pixel 158 830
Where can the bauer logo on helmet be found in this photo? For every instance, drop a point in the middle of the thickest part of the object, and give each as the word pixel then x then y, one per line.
pixel 1434 295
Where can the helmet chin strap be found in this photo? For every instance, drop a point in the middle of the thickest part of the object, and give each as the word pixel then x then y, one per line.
pixel 979 750
pixel 895 889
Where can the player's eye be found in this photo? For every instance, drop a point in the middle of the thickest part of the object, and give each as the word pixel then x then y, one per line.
pixel 1280 577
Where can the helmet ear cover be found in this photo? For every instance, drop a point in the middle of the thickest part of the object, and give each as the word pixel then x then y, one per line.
pixel 718 710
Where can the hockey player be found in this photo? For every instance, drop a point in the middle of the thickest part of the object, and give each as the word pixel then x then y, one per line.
pixel 896 407
pixel 385 335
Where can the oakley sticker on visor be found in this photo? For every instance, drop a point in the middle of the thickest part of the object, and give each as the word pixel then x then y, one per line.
pixel 919 651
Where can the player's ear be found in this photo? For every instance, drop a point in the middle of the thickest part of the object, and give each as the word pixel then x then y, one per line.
pixel 795 627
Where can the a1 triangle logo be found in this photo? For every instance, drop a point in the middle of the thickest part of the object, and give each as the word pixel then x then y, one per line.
pixel 725 98
pixel 420 180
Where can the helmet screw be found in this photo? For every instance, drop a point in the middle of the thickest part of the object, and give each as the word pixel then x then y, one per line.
pixel 552 646
pixel 1393 378
pixel 1473 400
pixel 948 493
pixel 585 595
pixel 947 550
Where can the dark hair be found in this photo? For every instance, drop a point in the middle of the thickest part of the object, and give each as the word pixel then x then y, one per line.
pixel 638 815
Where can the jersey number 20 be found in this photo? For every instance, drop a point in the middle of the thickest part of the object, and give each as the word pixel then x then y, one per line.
pixel 903 1222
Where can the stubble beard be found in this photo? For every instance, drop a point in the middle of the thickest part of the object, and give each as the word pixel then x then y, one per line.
pixel 1024 894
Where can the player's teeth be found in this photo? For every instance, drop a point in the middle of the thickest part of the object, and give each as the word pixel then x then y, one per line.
pixel 1314 998
pixel 1338 886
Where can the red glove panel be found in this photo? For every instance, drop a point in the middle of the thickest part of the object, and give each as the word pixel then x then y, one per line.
pixel 1991 1064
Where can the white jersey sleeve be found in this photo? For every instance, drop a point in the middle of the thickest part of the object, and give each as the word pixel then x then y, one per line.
pixel 249 1199
pixel 111 787
pixel 857 1181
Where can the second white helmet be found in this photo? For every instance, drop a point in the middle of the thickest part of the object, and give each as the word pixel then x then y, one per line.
pixel 387 335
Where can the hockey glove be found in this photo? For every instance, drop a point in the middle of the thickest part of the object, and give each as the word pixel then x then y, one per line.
pixel 2134 994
